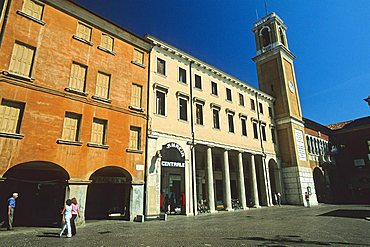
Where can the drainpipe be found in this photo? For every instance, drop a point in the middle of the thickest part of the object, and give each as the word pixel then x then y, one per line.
pixel 263 150
pixel 5 21
pixel 146 138
pixel 192 148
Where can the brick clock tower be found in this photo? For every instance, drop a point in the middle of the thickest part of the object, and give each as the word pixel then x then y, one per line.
pixel 276 77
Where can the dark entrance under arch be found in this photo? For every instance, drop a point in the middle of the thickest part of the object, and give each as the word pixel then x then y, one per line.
pixel 41 187
pixel 319 181
pixel 108 195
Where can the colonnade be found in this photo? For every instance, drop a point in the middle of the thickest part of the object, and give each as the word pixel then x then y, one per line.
pixel 258 179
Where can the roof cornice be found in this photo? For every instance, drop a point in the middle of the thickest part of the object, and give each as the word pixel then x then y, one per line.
pixel 201 64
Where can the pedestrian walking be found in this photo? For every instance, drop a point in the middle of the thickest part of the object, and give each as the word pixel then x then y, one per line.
pixel 67 213
pixel 307 197
pixel 278 198
pixel 75 213
pixel 11 208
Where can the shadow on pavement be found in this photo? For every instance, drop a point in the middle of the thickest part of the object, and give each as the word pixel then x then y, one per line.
pixel 291 239
pixel 348 213
pixel 48 235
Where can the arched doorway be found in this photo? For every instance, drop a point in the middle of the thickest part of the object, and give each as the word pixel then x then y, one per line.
pixel 319 180
pixel 172 196
pixel 274 178
pixel 41 187
pixel 108 195
pixel 261 180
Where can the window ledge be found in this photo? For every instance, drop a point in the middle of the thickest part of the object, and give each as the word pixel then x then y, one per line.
pixel 128 150
pixel 15 75
pixel 71 90
pixel 82 40
pixel 19 12
pixel 106 50
pixel 199 89
pixel 138 64
pixel 67 142
pixel 161 75
pixel 95 145
pixel 214 95
pixel 218 129
pixel 136 108
pixel 11 135
pixel 101 99
pixel 160 115
pixel 229 101
pixel 182 83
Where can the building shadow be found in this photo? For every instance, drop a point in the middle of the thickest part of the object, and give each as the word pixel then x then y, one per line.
pixel 48 235
pixel 348 213
pixel 282 240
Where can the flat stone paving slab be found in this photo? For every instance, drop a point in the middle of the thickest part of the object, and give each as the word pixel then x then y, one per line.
pixel 324 225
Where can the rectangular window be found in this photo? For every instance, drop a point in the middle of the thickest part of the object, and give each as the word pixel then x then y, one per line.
pixel 98 132
pixel 244 126
pixel 136 92
pixel 138 57
pixel 84 32
pixel 33 8
pixel 22 59
pixel 78 77
pixel 11 114
pixel 107 42
pixel 198 82
pixel 273 137
pixel 71 126
pixel 255 130
pixel 214 88
pixel 135 138
pixel 230 118
pixel 183 109
pixel 263 132
pixel 102 85
pixel 270 111
pixel 228 94
pixel 199 113
pixel 160 103
pixel 182 75
pixel 253 105
pixel 161 66
pixel 216 118
pixel 260 106
pixel 241 99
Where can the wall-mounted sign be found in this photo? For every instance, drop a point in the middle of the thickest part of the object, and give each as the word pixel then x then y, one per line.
pixel 300 144
pixel 172 155
pixel 109 180
pixel 359 162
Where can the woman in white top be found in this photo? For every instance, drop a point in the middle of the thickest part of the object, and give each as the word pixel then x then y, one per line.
pixel 67 212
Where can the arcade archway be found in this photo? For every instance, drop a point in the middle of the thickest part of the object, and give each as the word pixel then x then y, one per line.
pixel 274 177
pixel 108 195
pixel 41 187
pixel 319 181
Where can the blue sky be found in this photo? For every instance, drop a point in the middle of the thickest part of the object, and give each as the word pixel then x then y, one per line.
pixel 330 38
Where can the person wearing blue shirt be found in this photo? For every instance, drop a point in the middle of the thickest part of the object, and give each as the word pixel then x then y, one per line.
pixel 11 207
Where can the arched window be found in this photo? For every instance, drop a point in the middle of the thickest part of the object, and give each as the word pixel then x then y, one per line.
pixel 308 144
pixel 282 36
pixel 265 33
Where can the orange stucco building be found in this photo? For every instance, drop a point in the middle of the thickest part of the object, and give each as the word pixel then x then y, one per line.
pixel 73 111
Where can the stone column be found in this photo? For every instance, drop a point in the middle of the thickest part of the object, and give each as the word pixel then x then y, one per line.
pixel 267 182
pixel 256 201
pixel 211 192
pixel 78 189
pixel 136 201
pixel 194 199
pixel 242 198
pixel 226 177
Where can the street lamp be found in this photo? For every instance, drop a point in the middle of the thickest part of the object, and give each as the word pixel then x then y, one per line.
pixel 367 100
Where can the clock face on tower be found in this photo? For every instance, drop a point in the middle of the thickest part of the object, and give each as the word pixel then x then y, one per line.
pixel 291 86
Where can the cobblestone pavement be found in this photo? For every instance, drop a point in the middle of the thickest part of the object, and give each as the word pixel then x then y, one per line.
pixel 324 225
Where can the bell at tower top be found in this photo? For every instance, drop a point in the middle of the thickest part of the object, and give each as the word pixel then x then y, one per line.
pixel 270 32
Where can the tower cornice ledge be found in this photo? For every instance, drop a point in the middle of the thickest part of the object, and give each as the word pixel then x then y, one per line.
pixel 274 51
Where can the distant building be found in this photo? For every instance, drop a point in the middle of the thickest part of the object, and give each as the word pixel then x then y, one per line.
pixel 350 151
pixel 73 112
